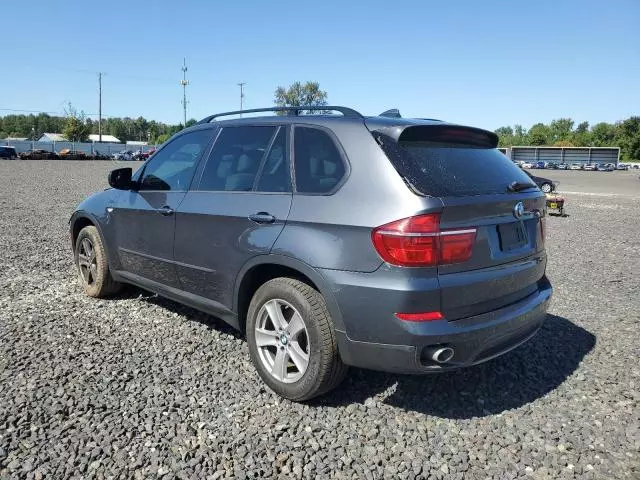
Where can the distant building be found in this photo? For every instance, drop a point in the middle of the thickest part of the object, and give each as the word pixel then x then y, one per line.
pixel 16 139
pixel 579 155
pixel 135 143
pixel 94 137
pixel 52 137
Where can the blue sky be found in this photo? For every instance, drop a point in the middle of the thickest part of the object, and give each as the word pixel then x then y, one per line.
pixel 481 63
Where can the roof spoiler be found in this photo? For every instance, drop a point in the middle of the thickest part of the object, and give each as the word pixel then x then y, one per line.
pixel 439 133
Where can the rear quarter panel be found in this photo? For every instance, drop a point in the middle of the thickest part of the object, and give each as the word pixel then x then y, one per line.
pixel 334 231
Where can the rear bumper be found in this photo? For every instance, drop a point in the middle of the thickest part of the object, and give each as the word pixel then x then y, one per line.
pixel 474 339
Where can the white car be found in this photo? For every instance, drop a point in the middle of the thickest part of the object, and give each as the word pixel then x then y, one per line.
pixel 575 166
pixel 526 165
pixel 590 166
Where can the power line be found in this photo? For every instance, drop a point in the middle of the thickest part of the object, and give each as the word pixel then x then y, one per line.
pixel 62 114
pixel 145 78
pixel 28 111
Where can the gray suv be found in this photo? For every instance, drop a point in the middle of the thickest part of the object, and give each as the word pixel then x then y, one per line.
pixel 404 245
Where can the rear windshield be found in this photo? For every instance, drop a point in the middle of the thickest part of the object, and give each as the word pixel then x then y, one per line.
pixel 450 169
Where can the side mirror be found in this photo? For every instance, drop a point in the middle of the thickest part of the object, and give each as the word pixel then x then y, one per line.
pixel 120 178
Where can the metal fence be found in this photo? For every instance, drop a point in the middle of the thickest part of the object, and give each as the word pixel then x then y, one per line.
pixel 88 148
pixel 581 155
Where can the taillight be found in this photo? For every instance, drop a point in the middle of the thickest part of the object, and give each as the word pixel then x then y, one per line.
pixel 456 245
pixel 543 228
pixel 419 242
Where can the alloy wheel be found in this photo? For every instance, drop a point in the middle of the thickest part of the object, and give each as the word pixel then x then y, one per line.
pixel 87 262
pixel 282 340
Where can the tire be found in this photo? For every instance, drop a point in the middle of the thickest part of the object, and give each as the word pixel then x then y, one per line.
pixel 546 187
pixel 92 265
pixel 324 369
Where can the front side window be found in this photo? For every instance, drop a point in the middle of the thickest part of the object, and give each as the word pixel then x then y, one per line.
pixel 172 167
pixel 236 158
pixel 318 164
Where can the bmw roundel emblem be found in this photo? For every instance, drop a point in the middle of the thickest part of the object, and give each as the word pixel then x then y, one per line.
pixel 518 210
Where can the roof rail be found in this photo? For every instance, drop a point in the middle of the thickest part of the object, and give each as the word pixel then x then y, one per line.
pixel 347 112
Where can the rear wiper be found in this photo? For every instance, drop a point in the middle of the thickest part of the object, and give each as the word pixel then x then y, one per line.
pixel 519 186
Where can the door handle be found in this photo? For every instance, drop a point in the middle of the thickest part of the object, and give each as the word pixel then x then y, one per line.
pixel 262 217
pixel 166 210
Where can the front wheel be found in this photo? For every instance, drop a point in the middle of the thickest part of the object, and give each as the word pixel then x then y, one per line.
pixel 93 268
pixel 291 340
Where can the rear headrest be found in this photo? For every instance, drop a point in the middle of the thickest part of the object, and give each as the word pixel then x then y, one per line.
pixel 330 168
pixel 322 167
pixel 245 164
pixel 224 169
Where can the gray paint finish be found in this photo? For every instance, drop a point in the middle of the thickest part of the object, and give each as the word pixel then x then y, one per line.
pixel 144 236
pixel 214 238
pixel 201 253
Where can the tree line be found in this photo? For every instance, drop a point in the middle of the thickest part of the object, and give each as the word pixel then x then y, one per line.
pixel 75 126
pixel 564 133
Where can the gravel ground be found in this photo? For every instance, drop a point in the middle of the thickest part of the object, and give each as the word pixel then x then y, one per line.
pixel 141 387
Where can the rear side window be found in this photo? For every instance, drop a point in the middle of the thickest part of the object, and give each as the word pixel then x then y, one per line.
pixel 458 164
pixel 236 158
pixel 319 167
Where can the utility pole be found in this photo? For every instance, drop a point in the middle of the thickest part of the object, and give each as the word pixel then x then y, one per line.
pixel 100 107
pixel 241 85
pixel 184 82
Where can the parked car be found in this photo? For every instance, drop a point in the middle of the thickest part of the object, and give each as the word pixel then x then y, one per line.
pixel 622 166
pixel 319 267
pixel 139 155
pixel 39 154
pixel 589 166
pixel 575 166
pixel 526 165
pixel 538 165
pixel 604 167
pixel 100 156
pixel 551 165
pixel 544 184
pixel 124 155
pixel 68 154
pixel 563 166
pixel 8 152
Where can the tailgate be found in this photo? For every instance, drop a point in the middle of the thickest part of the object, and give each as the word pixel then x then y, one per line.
pixel 508 256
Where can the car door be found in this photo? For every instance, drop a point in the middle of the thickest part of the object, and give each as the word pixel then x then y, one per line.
pixel 236 210
pixel 144 217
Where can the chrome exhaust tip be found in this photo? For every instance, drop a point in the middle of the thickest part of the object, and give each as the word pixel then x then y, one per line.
pixel 440 354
